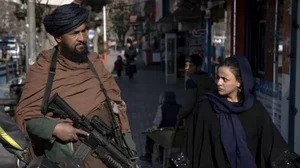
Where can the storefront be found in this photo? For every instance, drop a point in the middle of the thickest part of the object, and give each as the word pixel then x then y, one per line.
pixel 295 76
pixel 270 46
pixel 265 52
pixel 196 31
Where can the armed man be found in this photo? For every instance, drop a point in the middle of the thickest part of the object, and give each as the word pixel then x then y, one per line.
pixel 81 80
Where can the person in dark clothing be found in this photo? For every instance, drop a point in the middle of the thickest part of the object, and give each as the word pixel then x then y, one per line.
pixel 130 55
pixel 155 44
pixel 4 53
pixel 6 57
pixel 165 117
pixel 197 84
pixel 180 65
pixel 231 128
pixel 119 66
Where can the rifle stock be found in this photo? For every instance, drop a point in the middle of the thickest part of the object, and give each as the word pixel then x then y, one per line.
pixel 110 153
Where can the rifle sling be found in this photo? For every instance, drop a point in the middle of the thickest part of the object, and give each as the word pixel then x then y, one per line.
pixel 49 82
pixel 108 105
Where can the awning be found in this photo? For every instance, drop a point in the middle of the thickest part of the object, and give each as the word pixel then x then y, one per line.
pixel 54 2
pixel 189 10
pixel 46 2
pixel 15 1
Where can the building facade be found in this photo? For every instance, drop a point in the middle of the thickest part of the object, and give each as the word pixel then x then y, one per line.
pixel 265 31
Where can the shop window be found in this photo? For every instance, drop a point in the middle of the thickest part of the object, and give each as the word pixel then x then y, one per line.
pixel 261 46
pixel 257 37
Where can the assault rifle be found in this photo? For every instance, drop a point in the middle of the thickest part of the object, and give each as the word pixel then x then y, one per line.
pixel 112 154
pixel 117 134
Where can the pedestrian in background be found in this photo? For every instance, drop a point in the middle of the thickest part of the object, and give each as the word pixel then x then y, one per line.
pixel 130 55
pixel 197 84
pixel 118 67
pixel 167 111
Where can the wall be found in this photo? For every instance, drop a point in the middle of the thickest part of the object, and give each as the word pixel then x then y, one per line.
pixel 287 96
pixel 274 95
pixel 297 117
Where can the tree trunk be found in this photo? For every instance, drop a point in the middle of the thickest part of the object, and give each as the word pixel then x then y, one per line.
pixel 121 39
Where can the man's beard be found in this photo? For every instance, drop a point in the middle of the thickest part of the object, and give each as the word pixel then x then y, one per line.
pixel 74 55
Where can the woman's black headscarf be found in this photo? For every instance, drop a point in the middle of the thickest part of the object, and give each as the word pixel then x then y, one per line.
pixel 232 132
pixel 65 18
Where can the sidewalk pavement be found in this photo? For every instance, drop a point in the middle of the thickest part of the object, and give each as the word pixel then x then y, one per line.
pixel 141 95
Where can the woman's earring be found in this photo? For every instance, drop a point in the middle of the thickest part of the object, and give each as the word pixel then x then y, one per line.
pixel 239 89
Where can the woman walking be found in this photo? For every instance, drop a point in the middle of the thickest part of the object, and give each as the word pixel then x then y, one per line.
pixel 232 129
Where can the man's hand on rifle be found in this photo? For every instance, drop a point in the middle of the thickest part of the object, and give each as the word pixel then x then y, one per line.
pixel 66 132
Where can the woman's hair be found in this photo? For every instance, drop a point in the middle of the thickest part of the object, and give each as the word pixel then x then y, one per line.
pixel 233 64
pixel 195 59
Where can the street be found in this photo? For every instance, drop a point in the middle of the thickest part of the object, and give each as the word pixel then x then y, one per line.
pixel 141 95
pixel 196 35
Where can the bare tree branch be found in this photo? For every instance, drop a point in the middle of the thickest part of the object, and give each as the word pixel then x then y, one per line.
pixel 8 21
pixel 119 14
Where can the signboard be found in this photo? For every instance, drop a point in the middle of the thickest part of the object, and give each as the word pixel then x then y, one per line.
pixel 270 96
pixel 15 1
pixel 197 50
pixel 197 42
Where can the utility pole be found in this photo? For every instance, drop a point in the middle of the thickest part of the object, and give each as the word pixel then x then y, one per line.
pixel 104 35
pixel 31 34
